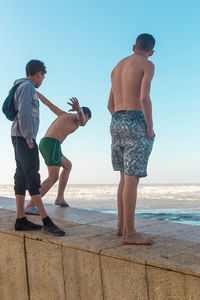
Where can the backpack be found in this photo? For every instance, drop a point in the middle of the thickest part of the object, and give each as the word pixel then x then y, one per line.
pixel 8 107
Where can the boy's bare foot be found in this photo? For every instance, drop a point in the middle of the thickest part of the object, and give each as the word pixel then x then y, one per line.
pixel 136 239
pixel 31 211
pixel 62 203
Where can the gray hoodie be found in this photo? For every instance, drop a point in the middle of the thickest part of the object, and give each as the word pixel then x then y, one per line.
pixel 26 122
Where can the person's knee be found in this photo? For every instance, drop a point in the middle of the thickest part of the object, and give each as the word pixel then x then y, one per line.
pixel 67 166
pixel 20 184
pixel 20 189
pixel 122 177
pixel 33 184
pixel 132 180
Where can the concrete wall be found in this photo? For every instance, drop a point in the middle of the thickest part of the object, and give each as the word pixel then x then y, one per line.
pixel 90 263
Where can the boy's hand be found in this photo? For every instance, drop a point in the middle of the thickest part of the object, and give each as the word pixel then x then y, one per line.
pixel 31 146
pixel 150 133
pixel 74 104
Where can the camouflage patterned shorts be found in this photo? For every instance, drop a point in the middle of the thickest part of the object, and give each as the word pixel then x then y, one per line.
pixel 130 145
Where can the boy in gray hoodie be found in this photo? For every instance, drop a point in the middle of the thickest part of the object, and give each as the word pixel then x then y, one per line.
pixel 24 131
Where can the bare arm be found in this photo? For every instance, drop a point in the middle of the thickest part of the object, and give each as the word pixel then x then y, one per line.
pixel 76 107
pixel 52 107
pixel 111 102
pixel 145 98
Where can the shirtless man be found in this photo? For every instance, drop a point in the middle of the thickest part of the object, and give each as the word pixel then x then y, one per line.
pixel 50 147
pixel 131 130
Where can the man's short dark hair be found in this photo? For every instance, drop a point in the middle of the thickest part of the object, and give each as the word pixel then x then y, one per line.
pixel 145 42
pixel 34 66
pixel 87 111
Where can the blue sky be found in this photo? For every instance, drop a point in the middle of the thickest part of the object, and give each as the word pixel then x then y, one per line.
pixel 80 43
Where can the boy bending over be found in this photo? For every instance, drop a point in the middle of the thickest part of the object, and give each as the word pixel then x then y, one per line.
pixel 50 148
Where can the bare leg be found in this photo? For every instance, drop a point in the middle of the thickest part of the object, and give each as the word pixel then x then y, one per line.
pixel 37 201
pixel 20 206
pixel 47 183
pixel 66 164
pixel 51 179
pixel 130 236
pixel 120 204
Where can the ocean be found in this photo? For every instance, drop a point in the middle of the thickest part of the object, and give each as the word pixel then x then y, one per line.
pixel 178 203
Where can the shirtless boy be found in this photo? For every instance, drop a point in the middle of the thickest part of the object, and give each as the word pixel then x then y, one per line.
pixel 50 147
pixel 131 130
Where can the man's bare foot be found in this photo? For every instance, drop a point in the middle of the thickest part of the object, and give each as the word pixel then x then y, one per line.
pixel 119 232
pixel 136 239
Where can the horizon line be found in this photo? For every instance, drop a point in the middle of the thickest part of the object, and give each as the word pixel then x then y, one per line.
pixel 152 183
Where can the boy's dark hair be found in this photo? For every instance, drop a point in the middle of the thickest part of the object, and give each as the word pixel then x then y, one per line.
pixel 87 111
pixel 34 66
pixel 145 42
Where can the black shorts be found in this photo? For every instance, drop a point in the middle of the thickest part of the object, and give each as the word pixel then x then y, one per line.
pixel 27 175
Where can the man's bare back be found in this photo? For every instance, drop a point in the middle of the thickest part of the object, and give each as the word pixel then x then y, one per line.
pixel 131 81
pixel 126 80
pixel 64 125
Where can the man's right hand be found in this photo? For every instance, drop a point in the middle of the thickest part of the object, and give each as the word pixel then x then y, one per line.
pixel 74 104
pixel 31 146
pixel 150 133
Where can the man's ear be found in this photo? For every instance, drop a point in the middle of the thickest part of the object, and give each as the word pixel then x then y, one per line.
pixel 151 52
pixel 134 48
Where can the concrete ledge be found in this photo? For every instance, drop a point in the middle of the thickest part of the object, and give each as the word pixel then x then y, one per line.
pixel 165 284
pixel 90 263
pixel 13 275
pixel 82 275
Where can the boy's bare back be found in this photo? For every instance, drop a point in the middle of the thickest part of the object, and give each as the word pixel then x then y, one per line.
pixel 126 80
pixel 64 125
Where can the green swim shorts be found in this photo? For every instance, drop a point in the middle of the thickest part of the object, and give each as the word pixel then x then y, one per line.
pixel 51 151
